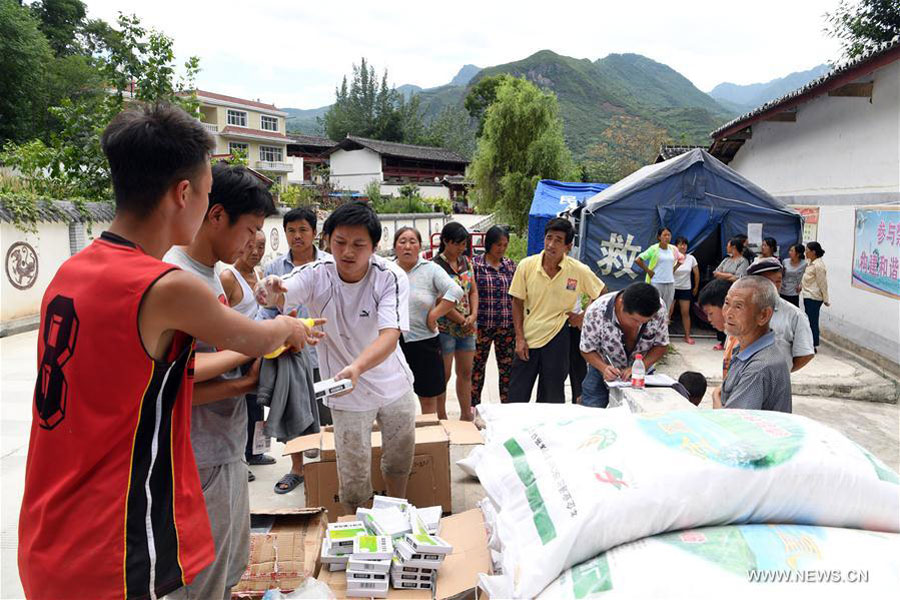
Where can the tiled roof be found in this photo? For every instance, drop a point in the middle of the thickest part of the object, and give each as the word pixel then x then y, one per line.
pixel 257 132
pixel 311 140
pixel 666 152
pixel 61 211
pixel 401 150
pixel 846 71
pixel 224 98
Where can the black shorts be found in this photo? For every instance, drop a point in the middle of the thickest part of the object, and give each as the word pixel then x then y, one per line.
pixel 426 361
pixel 683 295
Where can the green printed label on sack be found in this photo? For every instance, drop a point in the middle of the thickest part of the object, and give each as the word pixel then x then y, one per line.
pixel 599 439
pixel 542 520
pixel 742 548
pixel 611 476
pixel 591 577
pixel 723 546
pixel 882 470
pixel 737 438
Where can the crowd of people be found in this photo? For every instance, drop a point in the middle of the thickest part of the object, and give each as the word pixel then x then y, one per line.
pixel 119 499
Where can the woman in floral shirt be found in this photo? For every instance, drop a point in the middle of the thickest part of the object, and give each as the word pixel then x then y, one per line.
pixel 493 274
pixel 458 327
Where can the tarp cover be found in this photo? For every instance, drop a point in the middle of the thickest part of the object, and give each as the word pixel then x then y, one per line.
pixel 694 195
pixel 551 198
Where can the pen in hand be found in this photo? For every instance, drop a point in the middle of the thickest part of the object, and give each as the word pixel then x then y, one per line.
pixel 609 362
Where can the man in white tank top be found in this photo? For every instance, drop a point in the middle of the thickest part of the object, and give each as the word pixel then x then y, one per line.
pixel 238 281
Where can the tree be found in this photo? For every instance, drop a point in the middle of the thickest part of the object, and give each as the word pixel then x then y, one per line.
pixel 481 96
pixel 863 25
pixel 24 57
pixel 368 108
pixel 452 129
pixel 522 142
pixel 625 146
pixel 60 20
pixel 135 62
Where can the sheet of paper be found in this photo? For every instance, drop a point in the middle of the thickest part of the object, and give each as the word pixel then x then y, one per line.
pixel 659 380
pixel 754 234
pixel 654 380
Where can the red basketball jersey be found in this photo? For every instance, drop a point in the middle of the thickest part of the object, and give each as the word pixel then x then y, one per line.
pixel 112 506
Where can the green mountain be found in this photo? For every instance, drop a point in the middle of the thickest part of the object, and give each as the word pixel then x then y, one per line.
pixel 600 101
pixel 745 98
pixel 305 120
pixel 596 98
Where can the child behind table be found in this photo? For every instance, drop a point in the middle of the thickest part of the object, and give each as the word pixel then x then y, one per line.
pixel 693 386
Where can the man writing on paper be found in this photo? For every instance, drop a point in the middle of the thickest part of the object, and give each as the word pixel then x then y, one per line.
pixel 617 327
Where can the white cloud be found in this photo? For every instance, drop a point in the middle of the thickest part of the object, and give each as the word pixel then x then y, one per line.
pixel 294 54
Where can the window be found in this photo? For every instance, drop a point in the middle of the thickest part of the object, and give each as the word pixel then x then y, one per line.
pixel 268 123
pixel 270 153
pixel 242 148
pixel 237 117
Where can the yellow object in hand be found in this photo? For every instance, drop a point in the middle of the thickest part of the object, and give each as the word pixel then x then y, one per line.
pixel 276 353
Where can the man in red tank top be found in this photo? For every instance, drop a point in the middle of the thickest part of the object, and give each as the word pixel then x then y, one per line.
pixel 113 506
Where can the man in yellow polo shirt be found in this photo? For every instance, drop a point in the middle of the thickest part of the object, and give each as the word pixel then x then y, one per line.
pixel 544 291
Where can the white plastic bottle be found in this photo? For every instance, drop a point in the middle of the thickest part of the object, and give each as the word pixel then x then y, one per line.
pixel 637 372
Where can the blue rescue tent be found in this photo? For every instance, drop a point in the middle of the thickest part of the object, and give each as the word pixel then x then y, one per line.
pixel 551 198
pixel 695 196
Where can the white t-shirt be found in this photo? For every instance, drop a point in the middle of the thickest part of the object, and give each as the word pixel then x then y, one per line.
pixel 356 312
pixel 665 263
pixel 683 272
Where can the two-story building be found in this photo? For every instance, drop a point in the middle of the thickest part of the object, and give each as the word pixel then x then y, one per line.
pixel 255 128
pixel 355 162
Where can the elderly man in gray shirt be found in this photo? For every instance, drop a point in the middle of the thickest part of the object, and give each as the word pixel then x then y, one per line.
pixel 758 377
pixel 789 322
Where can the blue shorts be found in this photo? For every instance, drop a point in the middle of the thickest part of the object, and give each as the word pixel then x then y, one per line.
pixel 451 344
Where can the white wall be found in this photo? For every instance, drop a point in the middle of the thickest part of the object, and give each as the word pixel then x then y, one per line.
pixel 426 190
pixel 837 145
pixel 295 176
pixel 354 169
pixel 426 223
pixel 52 248
pixel 276 242
pixel 840 153
pixel 865 318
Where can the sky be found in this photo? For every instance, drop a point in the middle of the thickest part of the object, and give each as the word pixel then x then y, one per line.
pixel 293 54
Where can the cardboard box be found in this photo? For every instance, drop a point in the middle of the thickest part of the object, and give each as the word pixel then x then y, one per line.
pixel 429 481
pixel 286 554
pixel 458 577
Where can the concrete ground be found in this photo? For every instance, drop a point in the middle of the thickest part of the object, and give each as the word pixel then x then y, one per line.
pixel 873 425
